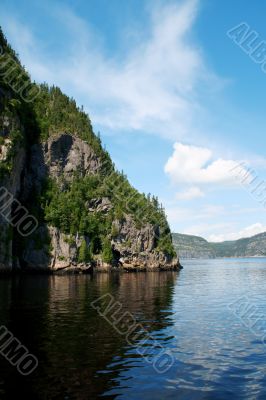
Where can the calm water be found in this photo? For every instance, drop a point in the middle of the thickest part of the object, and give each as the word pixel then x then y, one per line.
pixel 217 349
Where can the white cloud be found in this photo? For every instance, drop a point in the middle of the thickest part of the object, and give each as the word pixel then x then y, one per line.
pixel 191 164
pixel 190 194
pixel 178 214
pixel 213 222
pixel 204 228
pixel 152 88
pixel 244 233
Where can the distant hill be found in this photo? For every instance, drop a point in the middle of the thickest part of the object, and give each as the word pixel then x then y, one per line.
pixel 188 246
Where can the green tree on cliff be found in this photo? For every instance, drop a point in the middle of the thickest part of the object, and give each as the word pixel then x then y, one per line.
pixel 107 253
pixel 84 253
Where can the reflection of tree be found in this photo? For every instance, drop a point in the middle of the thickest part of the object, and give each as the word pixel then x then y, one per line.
pixel 23 312
pixel 73 343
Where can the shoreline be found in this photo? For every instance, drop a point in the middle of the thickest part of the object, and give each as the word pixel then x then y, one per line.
pixel 85 271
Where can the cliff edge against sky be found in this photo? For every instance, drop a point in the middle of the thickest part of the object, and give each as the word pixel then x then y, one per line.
pixel 63 204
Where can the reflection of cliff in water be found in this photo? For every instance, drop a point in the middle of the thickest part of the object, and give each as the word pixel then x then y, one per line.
pixel 72 342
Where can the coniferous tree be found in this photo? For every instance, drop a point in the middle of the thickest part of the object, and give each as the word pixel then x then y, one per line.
pixel 84 253
pixel 107 254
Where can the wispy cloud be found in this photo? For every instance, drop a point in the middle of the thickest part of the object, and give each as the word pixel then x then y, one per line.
pixel 248 231
pixel 190 194
pixel 152 88
pixel 213 222
pixel 177 214
pixel 206 229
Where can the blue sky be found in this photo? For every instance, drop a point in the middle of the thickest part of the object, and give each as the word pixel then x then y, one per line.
pixel 178 103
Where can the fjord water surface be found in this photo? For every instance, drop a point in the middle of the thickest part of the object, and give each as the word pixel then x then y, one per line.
pixel 210 317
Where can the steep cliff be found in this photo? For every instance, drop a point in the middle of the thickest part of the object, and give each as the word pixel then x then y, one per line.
pixel 63 205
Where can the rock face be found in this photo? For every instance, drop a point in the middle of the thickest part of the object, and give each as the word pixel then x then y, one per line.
pixel 99 205
pixel 59 158
pixel 60 253
pixel 67 154
pixel 134 248
pixel 11 186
